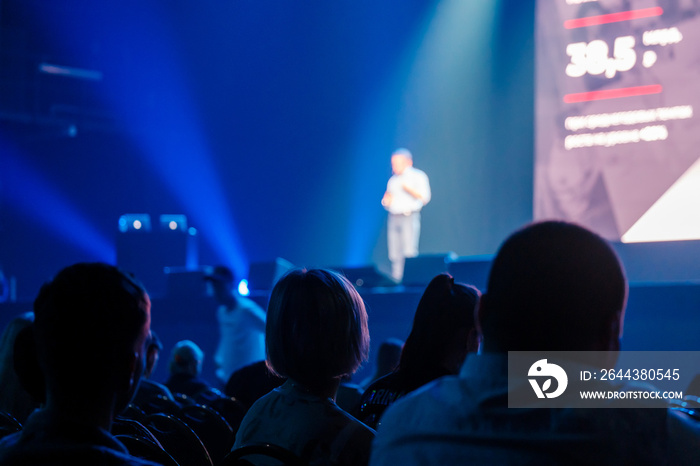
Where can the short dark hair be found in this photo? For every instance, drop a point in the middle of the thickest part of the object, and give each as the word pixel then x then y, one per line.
pixel 553 286
pixel 221 273
pixel 316 327
pixel 87 314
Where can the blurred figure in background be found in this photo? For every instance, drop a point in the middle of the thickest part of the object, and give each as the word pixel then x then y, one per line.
pixel 14 399
pixel 241 325
pixel 185 368
pixel 407 191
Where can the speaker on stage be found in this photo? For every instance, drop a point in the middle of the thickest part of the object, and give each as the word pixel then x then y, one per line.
pixel 473 270
pixel 418 271
pixel 262 276
pixel 366 277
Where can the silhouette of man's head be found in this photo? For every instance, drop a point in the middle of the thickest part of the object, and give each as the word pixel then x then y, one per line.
pixel 91 327
pixel 554 286
pixel 221 283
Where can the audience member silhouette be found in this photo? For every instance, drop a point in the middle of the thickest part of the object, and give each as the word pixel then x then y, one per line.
pixel 91 328
pixel 387 360
pixel 250 383
pixel 316 334
pixel 14 399
pixel 443 333
pixel 185 368
pixel 553 286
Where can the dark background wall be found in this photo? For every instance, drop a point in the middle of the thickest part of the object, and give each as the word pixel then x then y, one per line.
pixel 269 124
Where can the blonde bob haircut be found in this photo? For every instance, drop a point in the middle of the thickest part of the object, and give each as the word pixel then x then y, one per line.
pixel 316 327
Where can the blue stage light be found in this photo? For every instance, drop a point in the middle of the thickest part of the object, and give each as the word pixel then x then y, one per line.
pixel 243 288
pixel 135 223
pixel 171 222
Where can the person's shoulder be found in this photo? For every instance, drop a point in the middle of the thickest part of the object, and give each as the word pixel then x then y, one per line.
pixel 78 455
pixel 7 442
pixel 250 306
pixel 417 171
pixel 423 406
pixel 387 381
pixel 683 432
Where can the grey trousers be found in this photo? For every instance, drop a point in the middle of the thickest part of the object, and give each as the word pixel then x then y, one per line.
pixel 403 232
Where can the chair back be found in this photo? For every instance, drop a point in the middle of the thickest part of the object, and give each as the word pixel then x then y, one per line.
pixel 265 450
pixel 8 424
pixel 124 426
pixel 134 412
pixel 143 448
pixel 178 439
pixel 211 428
pixel 230 409
pixel 160 404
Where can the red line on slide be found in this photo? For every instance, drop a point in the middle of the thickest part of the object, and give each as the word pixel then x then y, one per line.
pixel 613 17
pixel 613 93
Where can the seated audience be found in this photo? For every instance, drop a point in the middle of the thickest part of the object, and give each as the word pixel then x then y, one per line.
pixel 387 360
pixel 553 286
pixel 251 382
pixel 185 368
pixel 316 334
pixel 14 399
pixel 443 333
pixel 90 331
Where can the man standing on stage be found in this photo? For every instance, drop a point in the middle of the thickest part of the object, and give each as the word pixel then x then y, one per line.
pixel 241 325
pixel 407 191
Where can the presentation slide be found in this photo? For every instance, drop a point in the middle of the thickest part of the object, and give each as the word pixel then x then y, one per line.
pixel 617 132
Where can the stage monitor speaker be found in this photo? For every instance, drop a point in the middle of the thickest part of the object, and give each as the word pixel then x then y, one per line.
pixel 182 282
pixel 366 277
pixel 146 254
pixel 262 276
pixel 418 271
pixel 473 270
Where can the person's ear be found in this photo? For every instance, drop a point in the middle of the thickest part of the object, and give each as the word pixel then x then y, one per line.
pixel 615 332
pixel 473 340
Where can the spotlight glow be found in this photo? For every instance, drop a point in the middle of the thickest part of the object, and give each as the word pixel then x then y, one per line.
pixel 33 196
pixel 243 288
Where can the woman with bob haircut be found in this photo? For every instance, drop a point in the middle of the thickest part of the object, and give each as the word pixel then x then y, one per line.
pixel 443 333
pixel 316 333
